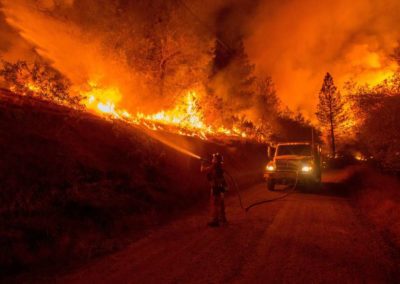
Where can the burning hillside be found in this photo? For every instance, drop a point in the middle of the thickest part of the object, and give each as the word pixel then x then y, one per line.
pixel 186 118
pixel 145 63
pixel 41 81
pixel 196 68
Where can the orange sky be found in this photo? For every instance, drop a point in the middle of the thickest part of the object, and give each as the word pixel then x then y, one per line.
pixel 297 42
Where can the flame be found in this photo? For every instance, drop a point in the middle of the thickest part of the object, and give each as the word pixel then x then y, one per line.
pixel 108 107
pixel 186 114
pixel 186 118
pixel 367 66
pixel 32 87
pixel 102 100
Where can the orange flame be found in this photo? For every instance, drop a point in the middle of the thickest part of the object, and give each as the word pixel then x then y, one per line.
pixel 186 118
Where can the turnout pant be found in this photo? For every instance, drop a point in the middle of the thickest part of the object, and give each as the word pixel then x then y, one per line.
pixel 218 208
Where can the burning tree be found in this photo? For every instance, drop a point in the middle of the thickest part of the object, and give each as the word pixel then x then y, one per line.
pixel 330 111
pixel 381 136
pixel 377 112
pixel 290 126
pixel 233 78
pixel 267 105
pixel 38 79
pixel 164 45
pixel 154 63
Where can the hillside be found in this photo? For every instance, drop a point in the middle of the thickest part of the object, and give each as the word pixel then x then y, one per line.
pixel 74 185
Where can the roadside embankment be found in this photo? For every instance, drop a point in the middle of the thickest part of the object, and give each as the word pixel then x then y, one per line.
pixel 378 198
pixel 74 186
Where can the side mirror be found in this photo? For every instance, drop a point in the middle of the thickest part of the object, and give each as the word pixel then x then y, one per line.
pixel 269 153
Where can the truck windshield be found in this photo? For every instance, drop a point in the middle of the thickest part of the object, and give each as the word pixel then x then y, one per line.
pixel 298 150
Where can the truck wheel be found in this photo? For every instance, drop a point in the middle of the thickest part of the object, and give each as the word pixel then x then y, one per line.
pixel 271 185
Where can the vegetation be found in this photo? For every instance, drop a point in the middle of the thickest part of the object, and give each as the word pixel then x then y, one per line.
pixel 38 79
pixel 377 112
pixel 330 110
pixel 167 48
pixel 171 49
pixel 74 186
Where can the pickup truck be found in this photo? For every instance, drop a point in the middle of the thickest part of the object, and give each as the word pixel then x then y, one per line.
pixel 292 163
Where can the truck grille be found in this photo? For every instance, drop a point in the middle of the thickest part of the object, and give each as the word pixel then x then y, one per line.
pixel 287 165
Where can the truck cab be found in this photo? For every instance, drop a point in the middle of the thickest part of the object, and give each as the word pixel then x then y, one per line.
pixel 292 163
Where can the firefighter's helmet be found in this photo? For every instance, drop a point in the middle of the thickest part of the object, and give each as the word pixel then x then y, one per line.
pixel 217 158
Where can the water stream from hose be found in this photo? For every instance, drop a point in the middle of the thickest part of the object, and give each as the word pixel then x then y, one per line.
pixel 156 136
pixel 184 151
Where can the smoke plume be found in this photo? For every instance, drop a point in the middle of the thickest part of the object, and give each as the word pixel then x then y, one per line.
pixel 297 42
pixel 294 42
pixel 58 34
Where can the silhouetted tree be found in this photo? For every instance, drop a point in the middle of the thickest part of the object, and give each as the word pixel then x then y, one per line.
pixel 238 78
pixel 164 45
pixel 38 79
pixel 330 110
pixel 381 136
pixel 266 106
pixel 16 75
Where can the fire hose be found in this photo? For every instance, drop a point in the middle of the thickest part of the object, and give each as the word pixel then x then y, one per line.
pixel 233 181
pixel 172 145
pixel 257 203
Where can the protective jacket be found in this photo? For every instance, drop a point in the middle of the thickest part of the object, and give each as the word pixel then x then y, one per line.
pixel 215 175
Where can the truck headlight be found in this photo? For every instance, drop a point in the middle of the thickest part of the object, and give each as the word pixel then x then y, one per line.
pixel 306 168
pixel 270 168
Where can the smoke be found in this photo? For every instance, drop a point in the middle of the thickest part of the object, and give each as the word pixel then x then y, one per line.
pixel 72 48
pixel 297 42
pixel 294 42
pixel 140 55
pixel 12 47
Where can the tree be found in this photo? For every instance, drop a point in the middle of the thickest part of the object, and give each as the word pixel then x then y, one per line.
pixel 164 45
pixel 233 76
pixel 16 75
pixel 266 106
pixel 378 137
pixel 330 110
pixel 38 79
pixel 292 127
pixel 159 49
pixel 381 136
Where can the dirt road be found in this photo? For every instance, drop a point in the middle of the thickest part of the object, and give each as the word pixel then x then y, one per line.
pixel 308 237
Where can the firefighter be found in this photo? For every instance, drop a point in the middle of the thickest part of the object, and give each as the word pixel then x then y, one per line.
pixel 215 175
